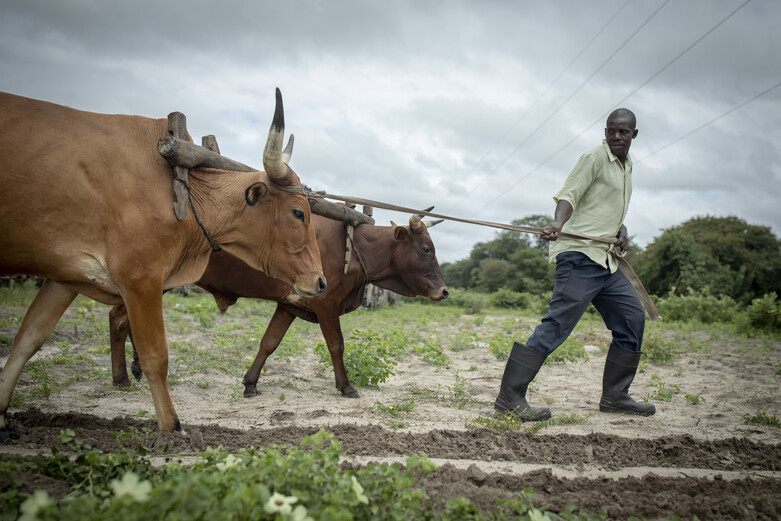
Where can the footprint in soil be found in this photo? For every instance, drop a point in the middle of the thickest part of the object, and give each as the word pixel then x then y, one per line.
pixel 281 416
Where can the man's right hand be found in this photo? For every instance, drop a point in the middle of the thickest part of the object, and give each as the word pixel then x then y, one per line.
pixel 551 232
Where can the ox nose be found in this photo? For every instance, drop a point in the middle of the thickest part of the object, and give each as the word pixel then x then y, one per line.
pixel 445 294
pixel 322 285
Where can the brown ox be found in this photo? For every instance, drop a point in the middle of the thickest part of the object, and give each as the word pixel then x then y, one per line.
pixel 87 204
pixel 399 258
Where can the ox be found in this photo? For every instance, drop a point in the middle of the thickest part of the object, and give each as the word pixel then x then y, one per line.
pixel 399 258
pixel 87 204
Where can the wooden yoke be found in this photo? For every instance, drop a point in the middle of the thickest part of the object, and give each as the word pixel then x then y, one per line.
pixel 183 154
pixel 177 127
pixel 350 246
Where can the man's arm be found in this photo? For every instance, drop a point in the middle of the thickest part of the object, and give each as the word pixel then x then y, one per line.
pixel 560 216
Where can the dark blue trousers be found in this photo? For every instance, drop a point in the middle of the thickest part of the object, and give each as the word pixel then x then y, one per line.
pixel 579 282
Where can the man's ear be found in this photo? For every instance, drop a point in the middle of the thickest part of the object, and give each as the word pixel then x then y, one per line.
pixel 256 192
pixel 400 233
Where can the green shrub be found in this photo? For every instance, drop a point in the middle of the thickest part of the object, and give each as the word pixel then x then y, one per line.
pixel 762 315
pixel 698 306
pixel 508 299
pixel 471 301
pixel 656 349
pixel 368 357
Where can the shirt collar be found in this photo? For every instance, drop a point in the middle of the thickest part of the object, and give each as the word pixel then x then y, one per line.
pixel 612 156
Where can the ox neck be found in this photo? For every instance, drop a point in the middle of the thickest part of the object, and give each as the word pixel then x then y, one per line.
pixel 212 242
pixel 372 245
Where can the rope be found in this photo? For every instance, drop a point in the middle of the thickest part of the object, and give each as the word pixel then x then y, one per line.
pixel 215 247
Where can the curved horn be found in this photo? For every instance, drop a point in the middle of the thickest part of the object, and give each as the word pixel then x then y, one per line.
pixel 429 224
pixel 414 222
pixel 273 164
pixel 288 150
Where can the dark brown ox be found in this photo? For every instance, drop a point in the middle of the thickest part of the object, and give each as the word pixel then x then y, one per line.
pixel 87 203
pixel 399 258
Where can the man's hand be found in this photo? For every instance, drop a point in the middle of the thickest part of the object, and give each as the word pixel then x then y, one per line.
pixel 551 232
pixel 622 240
pixel 561 215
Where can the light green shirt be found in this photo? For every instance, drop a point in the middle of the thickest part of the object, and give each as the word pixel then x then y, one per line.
pixel 598 188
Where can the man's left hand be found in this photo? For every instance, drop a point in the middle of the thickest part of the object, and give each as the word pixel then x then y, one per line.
pixel 622 240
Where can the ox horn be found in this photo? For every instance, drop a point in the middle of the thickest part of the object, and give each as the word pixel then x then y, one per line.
pixel 414 220
pixel 273 161
pixel 429 224
pixel 288 150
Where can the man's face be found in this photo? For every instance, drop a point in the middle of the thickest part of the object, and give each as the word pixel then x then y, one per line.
pixel 619 134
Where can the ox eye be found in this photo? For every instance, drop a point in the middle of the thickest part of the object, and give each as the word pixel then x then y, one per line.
pixel 426 250
pixel 298 214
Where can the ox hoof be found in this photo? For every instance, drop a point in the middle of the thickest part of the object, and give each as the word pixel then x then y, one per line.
pixel 350 392
pixel 124 384
pixel 251 394
pixel 136 370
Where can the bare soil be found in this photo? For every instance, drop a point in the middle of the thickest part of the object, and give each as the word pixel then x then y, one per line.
pixel 689 459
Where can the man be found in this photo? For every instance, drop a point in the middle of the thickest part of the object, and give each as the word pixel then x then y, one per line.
pixel 593 202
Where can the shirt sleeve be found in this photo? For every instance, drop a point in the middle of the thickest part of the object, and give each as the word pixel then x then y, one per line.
pixel 579 180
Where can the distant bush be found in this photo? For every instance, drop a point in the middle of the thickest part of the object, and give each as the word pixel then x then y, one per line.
pixel 699 306
pixel 471 301
pixel 508 299
pixel 763 315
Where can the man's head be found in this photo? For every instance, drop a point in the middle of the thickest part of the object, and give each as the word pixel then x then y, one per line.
pixel 620 131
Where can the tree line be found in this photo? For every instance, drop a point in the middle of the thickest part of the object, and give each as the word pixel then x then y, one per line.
pixel 723 256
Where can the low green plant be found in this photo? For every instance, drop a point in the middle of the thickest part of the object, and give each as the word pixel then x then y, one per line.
pixel 395 409
pixel 569 351
pixel 694 398
pixel 432 354
pixel 762 418
pixel 458 395
pixel 511 422
pixel 272 482
pixel 661 390
pixel 656 349
pixel 470 301
pixel 763 316
pixel 700 306
pixel 508 299
pixel 368 357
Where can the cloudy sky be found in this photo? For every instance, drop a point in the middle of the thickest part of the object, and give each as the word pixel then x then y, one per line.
pixel 478 107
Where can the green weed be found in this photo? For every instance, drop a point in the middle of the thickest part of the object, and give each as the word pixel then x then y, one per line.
pixel 762 418
pixel 662 390
pixel 694 398
pixel 368 357
pixel 569 351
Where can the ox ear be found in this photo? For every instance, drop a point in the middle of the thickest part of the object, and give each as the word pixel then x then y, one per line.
pixel 256 192
pixel 400 233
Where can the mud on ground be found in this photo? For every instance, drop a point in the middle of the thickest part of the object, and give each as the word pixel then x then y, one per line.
pixel 689 459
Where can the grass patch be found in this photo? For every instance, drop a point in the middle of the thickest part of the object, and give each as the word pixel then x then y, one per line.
pixel 762 418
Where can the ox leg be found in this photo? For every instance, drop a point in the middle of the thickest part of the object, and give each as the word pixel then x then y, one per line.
pixel 331 327
pixel 145 311
pixel 48 306
pixel 119 328
pixel 275 331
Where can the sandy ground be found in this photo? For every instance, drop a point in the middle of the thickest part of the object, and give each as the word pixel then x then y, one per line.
pixel 689 459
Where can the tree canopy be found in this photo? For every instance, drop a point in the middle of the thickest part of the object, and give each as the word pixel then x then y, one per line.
pixel 723 254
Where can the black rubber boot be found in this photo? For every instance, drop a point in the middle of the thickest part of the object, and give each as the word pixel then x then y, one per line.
pixel 522 367
pixel 620 370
